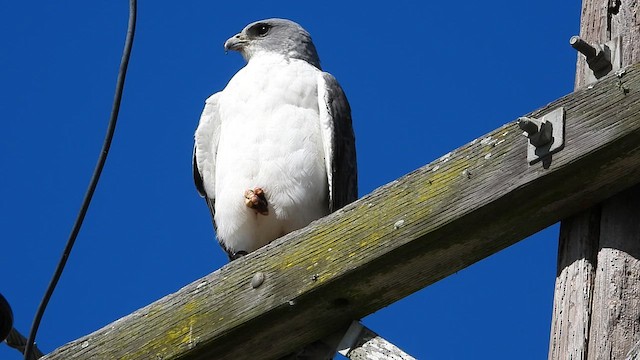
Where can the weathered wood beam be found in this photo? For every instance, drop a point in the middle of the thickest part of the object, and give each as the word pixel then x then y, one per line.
pixel 634 353
pixel 406 235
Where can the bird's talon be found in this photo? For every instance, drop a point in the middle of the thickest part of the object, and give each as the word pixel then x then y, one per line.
pixel 237 255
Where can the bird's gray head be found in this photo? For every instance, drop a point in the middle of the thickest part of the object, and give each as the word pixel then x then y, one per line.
pixel 279 36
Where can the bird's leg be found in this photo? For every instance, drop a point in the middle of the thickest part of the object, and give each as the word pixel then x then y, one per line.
pixel 256 200
pixel 237 255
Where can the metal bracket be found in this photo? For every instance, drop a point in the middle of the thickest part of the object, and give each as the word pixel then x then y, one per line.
pixel 546 135
pixel 601 58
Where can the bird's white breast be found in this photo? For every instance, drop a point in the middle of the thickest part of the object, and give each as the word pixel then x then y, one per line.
pixel 270 138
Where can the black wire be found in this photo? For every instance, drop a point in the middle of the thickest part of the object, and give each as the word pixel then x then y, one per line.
pixel 94 179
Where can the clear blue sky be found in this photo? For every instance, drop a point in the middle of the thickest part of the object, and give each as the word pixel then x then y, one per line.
pixel 423 78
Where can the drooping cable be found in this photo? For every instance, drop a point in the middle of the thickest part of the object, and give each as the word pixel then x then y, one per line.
pixel 93 182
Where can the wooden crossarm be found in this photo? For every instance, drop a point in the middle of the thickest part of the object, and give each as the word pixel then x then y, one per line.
pixel 404 236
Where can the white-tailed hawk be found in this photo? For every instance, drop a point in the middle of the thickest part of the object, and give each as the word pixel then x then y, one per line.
pixel 275 149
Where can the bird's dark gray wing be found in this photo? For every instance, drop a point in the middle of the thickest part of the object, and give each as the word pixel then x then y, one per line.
pixel 204 151
pixel 339 143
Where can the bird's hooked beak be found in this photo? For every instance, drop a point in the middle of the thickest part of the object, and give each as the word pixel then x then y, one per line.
pixel 236 42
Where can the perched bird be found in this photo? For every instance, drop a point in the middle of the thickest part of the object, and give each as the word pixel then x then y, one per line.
pixel 275 149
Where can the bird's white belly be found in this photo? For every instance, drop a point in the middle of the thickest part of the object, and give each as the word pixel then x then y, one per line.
pixel 270 138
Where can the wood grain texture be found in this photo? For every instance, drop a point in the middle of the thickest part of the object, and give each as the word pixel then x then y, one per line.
pixel 574 285
pixel 634 353
pixel 412 232
pixel 589 320
pixel 625 22
pixel 615 324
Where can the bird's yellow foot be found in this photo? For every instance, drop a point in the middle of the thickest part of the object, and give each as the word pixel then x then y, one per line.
pixel 256 200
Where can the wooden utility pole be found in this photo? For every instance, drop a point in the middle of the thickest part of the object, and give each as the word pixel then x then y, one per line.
pixel 596 312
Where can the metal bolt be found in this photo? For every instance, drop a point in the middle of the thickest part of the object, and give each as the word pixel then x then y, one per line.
pixel 583 47
pixel 598 56
pixel 257 280
pixel 529 125
pixel 539 133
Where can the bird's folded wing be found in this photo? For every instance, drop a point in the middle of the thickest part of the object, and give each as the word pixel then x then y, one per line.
pixel 205 148
pixel 338 142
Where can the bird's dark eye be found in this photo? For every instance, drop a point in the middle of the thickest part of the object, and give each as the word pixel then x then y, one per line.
pixel 260 29
pixel 263 29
